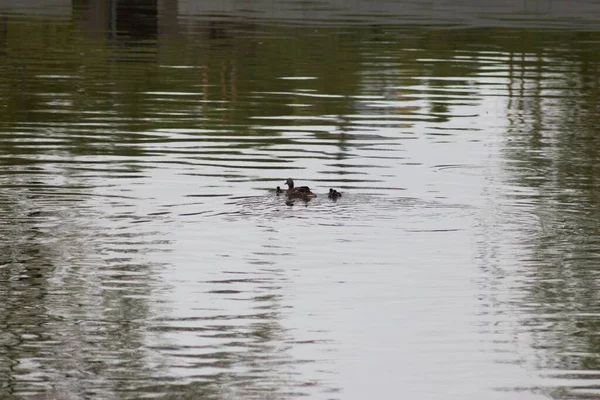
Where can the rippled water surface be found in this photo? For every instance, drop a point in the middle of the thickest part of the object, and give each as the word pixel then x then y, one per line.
pixel 144 251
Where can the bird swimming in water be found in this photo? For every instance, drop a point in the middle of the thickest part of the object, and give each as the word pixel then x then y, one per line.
pixel 302 192
pixel 334 194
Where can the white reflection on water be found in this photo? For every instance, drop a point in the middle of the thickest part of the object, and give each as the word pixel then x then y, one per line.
pixel 371 293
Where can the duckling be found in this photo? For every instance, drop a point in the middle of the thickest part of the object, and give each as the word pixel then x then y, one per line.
pixel 301 191
pixel 334 194
pixel 278 191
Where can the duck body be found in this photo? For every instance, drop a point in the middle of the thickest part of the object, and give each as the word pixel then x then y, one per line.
pixel 300 191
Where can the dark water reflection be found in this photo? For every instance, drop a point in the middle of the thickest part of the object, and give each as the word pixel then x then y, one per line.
pixel 144 252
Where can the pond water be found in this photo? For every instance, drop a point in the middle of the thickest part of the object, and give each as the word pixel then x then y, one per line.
pixel 144 251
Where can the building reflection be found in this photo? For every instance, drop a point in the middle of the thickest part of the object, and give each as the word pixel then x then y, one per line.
pixel 125 20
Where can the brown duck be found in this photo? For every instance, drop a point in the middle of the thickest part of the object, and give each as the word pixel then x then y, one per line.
pixel 302 192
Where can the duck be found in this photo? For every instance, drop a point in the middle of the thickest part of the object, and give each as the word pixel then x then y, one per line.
pixel 334 194
pixel 300 191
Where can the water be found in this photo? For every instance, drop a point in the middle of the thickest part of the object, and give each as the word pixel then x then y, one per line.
pixel 145 253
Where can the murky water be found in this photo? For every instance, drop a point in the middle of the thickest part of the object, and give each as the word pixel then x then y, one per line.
pixel 145 253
